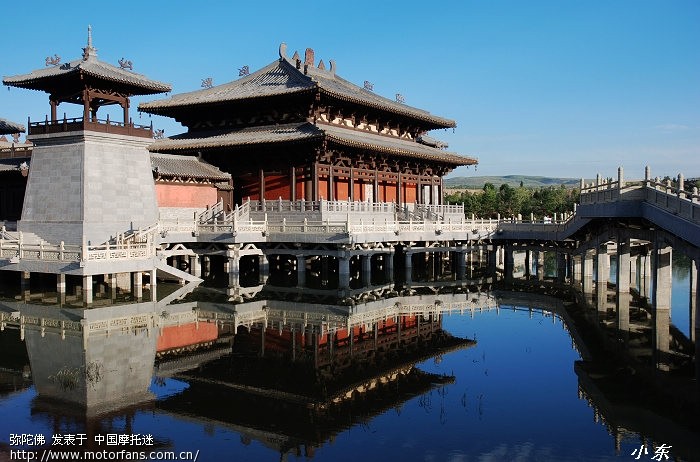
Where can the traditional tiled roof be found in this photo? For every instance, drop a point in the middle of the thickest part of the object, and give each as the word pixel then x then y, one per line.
pixel 282 78
pixel 45 79
pixel 8 128
pixel 51 77
pixel 268 134
pixel 170 165
pixel 392 145
pixel 275 134
pixel 277 78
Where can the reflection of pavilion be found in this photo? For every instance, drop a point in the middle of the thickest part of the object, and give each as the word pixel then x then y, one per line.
pixel 97 359
pixel 328 367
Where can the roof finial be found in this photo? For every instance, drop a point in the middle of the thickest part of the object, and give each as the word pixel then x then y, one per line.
pixel 283 50
pixel 309 57
pixel 89 51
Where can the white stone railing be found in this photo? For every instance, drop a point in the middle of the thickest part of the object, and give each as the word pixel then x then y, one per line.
pixel 16 249
pixel 281 206
pixel 211 213
pixel 675 199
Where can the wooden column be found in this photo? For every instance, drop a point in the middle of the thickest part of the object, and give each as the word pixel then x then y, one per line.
pixel 125 105
pixel 351 185
pixel 292 183
pixel 399 198
pixel 314 182
pixel 86 105
pixel 54 106
pixel 261 175
pixel 375 192
pixel 331 188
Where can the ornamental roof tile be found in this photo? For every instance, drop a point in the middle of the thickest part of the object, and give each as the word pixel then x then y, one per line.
pixel 170 165
pixel 282 77
pixel 7 127
pixel 272 134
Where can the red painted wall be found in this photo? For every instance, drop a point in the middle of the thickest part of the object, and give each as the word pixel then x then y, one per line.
pixel 277 186
pixel 342 189
pixel 409 193
pixel 186 334
pixel 185 195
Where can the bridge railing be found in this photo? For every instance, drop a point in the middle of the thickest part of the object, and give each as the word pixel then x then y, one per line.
pixel 669 195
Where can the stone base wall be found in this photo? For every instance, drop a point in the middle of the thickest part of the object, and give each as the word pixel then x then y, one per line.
pixel 88 186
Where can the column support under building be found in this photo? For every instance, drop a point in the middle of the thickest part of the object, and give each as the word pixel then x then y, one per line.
pixel 602 276
pixel 87 290
pixel 661 296
pixel 301 271
pixel 623 284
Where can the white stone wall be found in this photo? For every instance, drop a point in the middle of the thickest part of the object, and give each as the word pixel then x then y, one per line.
pixel 88 186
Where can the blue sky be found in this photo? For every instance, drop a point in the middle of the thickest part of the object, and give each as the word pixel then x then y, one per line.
pixel 555 88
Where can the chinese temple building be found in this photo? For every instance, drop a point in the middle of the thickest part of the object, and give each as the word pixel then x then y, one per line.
pixel 296 130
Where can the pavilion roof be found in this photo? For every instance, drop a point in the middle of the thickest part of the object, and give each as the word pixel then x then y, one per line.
pixel 7 127
pixel 298 132
pixel 281 77
pixel 55 79
pixel 170 165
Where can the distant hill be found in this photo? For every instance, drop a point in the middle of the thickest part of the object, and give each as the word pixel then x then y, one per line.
pixel 478 182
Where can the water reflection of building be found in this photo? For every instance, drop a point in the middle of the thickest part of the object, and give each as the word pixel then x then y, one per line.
pixel 617 402
pixel 102 358
pixel 327 367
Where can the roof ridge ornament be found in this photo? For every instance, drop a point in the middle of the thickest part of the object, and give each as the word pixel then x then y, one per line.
pixel 126 64
pixel 333 67
pixel 283 50
pixel 89 51
pixel 55 61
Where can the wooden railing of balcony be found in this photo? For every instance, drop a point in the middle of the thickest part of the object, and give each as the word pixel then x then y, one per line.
pixel 96 125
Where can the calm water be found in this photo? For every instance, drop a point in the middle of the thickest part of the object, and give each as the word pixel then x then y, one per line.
pixel 514 395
